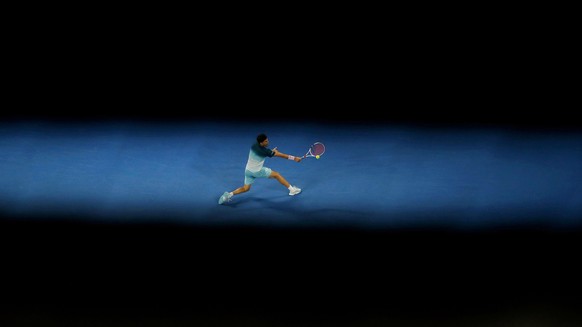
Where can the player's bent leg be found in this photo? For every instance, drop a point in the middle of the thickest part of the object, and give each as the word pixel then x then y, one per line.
pixel 292 189
pixel 280 178
pixel 242 189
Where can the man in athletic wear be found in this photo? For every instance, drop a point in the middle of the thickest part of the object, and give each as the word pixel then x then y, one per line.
pixel 255 168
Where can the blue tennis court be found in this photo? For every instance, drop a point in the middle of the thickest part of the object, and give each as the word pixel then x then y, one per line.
pixel 371 176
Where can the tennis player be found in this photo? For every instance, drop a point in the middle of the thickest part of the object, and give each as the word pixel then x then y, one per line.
pixel 255 169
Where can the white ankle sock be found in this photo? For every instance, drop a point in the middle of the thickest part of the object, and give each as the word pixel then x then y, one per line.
pixel 230 193
pixel 290 187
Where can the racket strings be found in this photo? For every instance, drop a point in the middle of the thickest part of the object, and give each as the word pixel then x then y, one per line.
pixel 317 149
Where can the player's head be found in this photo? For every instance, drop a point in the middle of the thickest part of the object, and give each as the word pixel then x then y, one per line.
pixel 262 139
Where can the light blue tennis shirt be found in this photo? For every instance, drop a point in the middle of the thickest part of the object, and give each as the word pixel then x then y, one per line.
pixel 257 156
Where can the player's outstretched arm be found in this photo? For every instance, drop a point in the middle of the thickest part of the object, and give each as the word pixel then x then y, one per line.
pixel 286 156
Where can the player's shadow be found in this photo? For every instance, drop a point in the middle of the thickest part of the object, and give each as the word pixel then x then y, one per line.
pixel 280 206
pixel 271 203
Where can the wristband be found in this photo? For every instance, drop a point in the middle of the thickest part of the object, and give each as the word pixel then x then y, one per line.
pixel 291 157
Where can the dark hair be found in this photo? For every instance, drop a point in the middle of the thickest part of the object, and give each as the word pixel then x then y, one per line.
pixel 261 138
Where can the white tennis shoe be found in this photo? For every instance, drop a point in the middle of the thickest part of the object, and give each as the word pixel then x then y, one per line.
pixel 226 197
pixel 294 190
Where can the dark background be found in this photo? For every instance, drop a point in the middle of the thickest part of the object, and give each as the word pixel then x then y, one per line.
pixel 60 270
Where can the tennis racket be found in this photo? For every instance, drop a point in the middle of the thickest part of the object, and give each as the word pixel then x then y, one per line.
pixel 315 150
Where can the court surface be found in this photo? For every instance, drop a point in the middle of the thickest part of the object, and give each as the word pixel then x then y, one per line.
pixel 370 177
